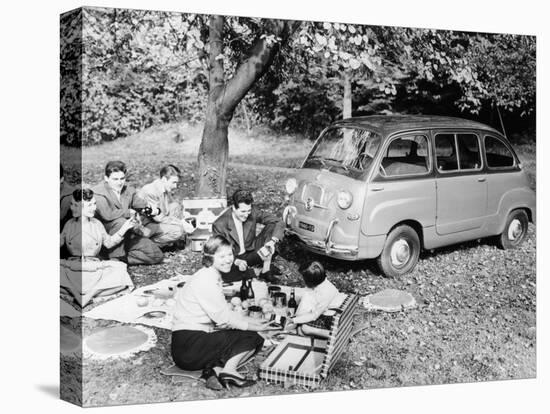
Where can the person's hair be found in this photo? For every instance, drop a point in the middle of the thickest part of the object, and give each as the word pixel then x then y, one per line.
pixel 61 171
pixel 114 166
pixel 242 196
pixel 85 194
pixel 169 171
pixel 210 248
pixel 313 274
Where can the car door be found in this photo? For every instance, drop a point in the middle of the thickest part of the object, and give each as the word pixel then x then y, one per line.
pixel 403 186
pixel 461 182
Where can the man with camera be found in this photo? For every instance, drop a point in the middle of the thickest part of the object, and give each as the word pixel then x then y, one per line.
pixel 168 227
pixel 238 225
pixel 116 202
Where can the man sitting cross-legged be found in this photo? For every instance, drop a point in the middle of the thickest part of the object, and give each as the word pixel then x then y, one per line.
pixel 117 202
pixel 238 225
pixel 168 227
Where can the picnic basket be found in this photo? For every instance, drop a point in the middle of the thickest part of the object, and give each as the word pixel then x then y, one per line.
pixel 306 361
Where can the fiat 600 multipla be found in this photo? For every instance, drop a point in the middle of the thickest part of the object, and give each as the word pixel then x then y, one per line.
pixel 386 187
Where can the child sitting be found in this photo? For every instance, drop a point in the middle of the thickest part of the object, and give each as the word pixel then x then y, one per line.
pixel 320 296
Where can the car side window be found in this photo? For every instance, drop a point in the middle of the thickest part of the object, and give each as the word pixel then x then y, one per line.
pixel 469 157
pixel 498 154
pixel 457 152
pixel 406 155
pixel 445 152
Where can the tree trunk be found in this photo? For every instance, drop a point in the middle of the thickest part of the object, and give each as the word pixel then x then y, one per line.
pixel 346 112
pixel 213 151
pixel 213 154
pixel 247 120
pixel 223 98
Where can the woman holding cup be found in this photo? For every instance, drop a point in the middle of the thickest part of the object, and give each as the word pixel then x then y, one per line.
pixel 83 274
pixel 206 334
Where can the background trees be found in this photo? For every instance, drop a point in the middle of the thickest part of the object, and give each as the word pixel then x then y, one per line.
pixel 141 68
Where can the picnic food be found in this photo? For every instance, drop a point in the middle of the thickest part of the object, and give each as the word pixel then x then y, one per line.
pixel 142 301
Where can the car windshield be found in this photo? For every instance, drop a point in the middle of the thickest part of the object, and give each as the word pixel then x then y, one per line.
pixel 347 151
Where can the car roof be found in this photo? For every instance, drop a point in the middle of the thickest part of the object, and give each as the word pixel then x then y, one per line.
pixel 390 124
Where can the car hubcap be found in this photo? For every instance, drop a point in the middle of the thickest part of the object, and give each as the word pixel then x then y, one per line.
pixel 400 253
pixel 515 230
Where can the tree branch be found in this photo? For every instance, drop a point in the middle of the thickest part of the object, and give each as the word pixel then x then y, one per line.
pixel 254 67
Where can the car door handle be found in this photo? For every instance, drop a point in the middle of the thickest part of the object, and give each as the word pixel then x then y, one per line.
pixel 481 179
pixel 376 188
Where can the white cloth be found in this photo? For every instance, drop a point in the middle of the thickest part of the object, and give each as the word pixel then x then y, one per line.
pixel 201 305
pixel 316 301
pixel 239 228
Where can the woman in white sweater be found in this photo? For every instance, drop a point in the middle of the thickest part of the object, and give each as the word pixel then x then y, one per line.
pixel 206 334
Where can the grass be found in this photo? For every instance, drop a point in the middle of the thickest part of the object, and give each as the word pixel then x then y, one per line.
pixel 476 313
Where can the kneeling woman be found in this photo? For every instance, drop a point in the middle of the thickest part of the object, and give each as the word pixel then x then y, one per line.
pixel 83 275
pixel 206 334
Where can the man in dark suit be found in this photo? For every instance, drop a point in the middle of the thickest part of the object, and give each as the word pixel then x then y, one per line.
pixel 116 202
pixel 238 225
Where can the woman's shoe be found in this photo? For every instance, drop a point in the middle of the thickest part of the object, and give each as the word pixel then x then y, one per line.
pixel 213 383
pixel 212 380
pixel 227 379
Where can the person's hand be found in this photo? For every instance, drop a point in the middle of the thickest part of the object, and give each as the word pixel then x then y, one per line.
pixel 271 245
pixel 241 264
pixel 128 224
pixel 187 227
pixel 259 326
pixel 291 326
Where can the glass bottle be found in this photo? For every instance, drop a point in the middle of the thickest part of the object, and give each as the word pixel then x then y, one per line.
pixel 292 305
pixel 243 292
pixel 250 293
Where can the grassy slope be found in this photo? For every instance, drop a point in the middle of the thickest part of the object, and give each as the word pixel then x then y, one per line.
pixel 476 304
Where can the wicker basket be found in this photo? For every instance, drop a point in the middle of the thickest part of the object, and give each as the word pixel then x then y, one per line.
pixel 306 361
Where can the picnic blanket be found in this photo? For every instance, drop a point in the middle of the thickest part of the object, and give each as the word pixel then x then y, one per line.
pixel 159 313
pixel 127 308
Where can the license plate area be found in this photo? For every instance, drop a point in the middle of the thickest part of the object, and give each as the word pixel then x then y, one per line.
pixel 306 226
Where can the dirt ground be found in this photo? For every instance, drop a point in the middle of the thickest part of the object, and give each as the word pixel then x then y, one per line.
pixel 475 319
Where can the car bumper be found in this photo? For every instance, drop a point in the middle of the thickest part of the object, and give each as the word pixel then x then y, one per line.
pixel 327 246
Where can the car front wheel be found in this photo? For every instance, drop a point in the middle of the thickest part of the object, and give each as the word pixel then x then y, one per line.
pixel 400 253
pixel 515 230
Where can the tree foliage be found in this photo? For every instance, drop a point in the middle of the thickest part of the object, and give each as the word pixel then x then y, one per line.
pixel 138 68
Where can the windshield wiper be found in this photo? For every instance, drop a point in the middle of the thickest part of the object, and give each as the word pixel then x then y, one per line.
pixel 340 163
pixel 318 158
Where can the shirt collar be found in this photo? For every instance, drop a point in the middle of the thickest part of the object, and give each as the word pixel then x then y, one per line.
pixel 159 186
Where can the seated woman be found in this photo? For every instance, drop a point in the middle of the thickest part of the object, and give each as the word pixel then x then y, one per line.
pixel 320 296
pixel 206 334
pixel 83 275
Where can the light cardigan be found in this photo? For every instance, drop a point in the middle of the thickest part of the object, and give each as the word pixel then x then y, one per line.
pixel 201 305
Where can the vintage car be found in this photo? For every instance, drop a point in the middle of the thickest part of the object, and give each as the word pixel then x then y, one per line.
pixel 386 187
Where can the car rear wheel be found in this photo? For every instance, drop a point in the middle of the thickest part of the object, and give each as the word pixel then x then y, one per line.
pixel 400 253
pixel 515 230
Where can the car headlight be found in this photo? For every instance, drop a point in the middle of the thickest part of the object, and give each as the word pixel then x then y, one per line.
pixel 344 199
pixel 288 214
pixel 291 185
